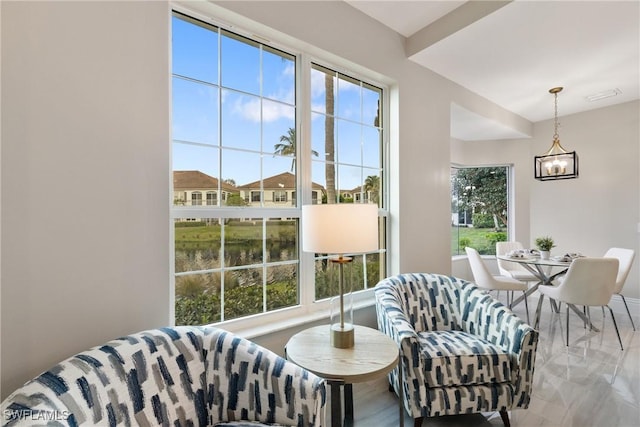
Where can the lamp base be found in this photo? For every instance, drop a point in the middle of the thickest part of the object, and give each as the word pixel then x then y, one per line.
pixel 342 337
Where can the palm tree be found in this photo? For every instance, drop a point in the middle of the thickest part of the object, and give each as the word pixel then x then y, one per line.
pixel 372 185
pixel 287 146
pixel 330 168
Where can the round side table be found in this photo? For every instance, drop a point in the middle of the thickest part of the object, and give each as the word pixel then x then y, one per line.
pixel 373 355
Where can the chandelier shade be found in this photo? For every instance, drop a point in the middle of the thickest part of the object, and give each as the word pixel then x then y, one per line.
pixel 556 163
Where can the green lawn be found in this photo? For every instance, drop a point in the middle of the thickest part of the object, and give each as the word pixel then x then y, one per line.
pixel 482 239
pixel 198 235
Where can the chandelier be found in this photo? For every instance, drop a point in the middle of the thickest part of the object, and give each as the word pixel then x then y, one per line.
pixel 556 163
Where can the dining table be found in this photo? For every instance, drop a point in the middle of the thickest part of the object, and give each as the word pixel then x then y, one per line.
pixel 546 271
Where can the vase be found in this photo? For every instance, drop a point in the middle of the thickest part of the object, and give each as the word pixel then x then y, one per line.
pixel 544 254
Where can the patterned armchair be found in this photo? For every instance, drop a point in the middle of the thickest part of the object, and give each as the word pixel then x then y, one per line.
pixel 462 350
pixel 182 376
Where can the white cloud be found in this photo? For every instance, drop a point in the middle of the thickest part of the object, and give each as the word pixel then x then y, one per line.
pixel 249 108
pixel 317 84
pixel 319 108
pixel 271 111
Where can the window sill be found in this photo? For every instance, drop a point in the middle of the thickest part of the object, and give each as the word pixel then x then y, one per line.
pixel 288 318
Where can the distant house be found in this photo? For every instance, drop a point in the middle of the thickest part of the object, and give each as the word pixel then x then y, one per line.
pixel 358 194
pixel 277 190
pixel 195 188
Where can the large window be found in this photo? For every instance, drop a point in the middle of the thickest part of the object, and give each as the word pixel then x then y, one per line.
pixel 346 127
pixel 479 208
pixel 237 111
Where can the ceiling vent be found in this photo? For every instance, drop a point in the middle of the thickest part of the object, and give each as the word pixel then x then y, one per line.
pixel 602 95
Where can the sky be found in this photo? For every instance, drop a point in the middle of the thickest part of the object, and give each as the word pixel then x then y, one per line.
pixel 239 110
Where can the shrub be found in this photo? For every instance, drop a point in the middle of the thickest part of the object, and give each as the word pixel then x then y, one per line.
pixel 464 242
pixel 498 236
pixel 190 224
pixel 482 220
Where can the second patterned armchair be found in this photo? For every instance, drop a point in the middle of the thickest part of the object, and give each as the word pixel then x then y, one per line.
pixel 462 350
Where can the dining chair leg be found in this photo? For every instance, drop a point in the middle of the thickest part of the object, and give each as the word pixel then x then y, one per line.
pixel 585 311
pixel 505 417
pixel 567 324
pixel 587 318
pixel 615 325
pixel 628 312
pixel 538 309
pixel 526 306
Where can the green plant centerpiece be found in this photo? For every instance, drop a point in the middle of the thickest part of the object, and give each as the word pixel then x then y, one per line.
pixel 544 244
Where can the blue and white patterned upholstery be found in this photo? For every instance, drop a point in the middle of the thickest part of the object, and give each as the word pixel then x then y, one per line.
pixel 181 376
pixel 463 351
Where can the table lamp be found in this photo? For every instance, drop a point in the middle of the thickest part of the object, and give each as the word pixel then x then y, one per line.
pixel 339 229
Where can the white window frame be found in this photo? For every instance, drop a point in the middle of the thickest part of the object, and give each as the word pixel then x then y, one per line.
pixel 510 196
pixel 308 310
pixel 213 200
pixel 196 196
pixel 280 196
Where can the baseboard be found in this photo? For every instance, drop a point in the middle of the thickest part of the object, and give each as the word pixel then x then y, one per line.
pixel 617 305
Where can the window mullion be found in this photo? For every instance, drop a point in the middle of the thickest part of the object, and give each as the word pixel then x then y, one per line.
pixel 304 175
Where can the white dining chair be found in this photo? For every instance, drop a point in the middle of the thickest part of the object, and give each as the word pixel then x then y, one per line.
pixel 589 282
pixel 625 258
pixel 487 281
pixel 513 269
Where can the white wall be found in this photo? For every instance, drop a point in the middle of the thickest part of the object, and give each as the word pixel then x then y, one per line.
pixel 85 178
pixel 0 203
pixel 600 209
pixel 589 214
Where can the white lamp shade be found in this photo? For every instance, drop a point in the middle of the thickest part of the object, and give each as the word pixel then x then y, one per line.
pixel 340 228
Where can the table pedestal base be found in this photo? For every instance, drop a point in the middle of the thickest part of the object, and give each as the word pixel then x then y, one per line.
pixel 337 387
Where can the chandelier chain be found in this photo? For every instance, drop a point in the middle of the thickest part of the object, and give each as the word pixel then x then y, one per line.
pixel 555 122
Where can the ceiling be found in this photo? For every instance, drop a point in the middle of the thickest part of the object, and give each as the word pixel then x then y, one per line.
pixel 513 52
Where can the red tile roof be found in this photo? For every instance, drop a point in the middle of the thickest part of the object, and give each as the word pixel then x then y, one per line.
pixel 190 180
pixel 283 180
